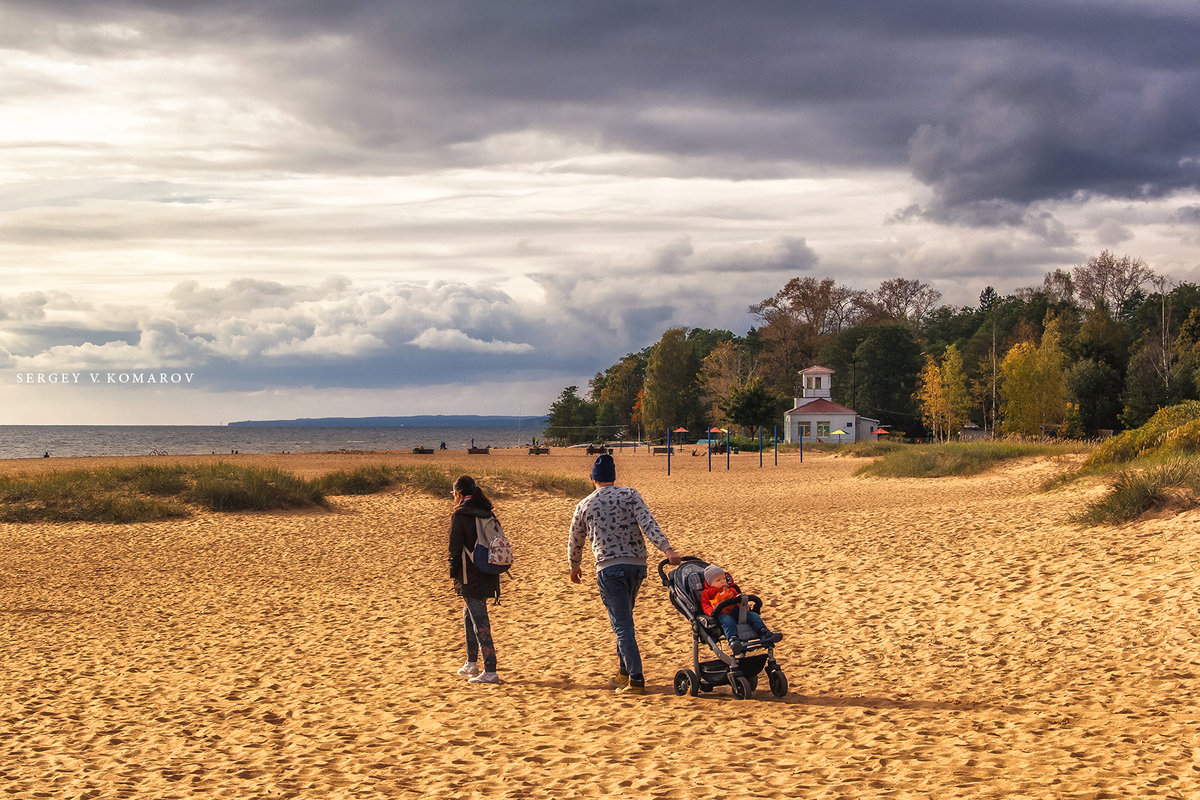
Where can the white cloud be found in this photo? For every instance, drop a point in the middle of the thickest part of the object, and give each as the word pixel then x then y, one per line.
pixel 451 341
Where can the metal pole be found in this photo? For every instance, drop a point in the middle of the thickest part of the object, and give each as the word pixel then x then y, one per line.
pixel 709 434
pixel 775 436
pixel 760 446
pixel 727 449
pixel 668 452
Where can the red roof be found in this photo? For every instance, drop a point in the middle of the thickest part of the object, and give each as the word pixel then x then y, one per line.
pixel 821 406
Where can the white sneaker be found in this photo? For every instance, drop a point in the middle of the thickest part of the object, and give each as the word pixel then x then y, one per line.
pixel 486 677
pixel 469 669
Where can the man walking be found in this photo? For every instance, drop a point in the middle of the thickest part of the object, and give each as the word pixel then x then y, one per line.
pixel 615 519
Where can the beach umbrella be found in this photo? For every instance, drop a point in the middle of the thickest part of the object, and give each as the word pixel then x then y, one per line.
pixel 839 433
pixel 881 430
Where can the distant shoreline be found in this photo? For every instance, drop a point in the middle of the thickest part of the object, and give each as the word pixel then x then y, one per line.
pixel 416 421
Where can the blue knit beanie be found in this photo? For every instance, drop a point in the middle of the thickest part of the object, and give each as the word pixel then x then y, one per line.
pixel 604 470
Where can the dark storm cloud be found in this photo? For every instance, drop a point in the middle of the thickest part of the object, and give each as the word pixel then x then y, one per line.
pixel 993 105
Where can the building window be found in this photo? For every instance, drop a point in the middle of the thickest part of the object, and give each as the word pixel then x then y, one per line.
pixel 817 382
pixel 822 429
pixel 806 430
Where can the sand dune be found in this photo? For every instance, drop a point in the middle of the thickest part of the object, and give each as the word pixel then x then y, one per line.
pixel 947 638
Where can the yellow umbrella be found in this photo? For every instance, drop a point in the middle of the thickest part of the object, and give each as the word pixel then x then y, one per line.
pixel 840 433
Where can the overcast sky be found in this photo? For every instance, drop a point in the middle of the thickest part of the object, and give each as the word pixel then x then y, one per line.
pixel 385 208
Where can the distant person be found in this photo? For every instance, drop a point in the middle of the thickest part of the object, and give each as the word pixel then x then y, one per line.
pixel 46 454
pixel 615 519
pixel 473 586
pixel 442 446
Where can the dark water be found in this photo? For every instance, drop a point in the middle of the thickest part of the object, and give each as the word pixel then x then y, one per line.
pixel 31 441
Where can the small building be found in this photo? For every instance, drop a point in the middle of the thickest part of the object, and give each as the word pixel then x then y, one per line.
pixel 815 416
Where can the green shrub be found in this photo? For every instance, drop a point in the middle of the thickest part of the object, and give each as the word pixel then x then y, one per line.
pixel 957 458
pixel 1137 491
pixel 364 480
pixel 1175 429
pixel 229 487
pixel 144 493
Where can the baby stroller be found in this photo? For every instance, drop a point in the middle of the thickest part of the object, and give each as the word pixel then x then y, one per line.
pixel 684 584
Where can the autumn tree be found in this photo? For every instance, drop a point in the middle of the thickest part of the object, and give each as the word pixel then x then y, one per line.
pixel 722 371
pixel 620 389
pixel 670 390
pixel 1032 386
pixel 931 397
pixel 942 394
pixel 954 384
pixel 900 300
pixel 1110 280
pixel 797 320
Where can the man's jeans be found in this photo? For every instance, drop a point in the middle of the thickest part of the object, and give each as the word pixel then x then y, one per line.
pixel 618 589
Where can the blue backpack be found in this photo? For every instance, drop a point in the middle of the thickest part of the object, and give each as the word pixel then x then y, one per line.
pixel 493 552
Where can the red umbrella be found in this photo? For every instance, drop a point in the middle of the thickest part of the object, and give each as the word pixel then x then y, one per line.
pixel 880 430
pixel 680 430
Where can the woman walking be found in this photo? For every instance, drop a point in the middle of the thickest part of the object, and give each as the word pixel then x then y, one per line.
pixel 473 586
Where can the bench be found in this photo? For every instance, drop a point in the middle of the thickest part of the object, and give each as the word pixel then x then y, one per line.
pixel 596 450
pixel 539 451
pixel 479 451
pixel 658 451
pixel 424 451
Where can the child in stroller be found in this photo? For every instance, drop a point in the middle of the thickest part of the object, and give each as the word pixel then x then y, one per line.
pixel 740 670
pixel 721 600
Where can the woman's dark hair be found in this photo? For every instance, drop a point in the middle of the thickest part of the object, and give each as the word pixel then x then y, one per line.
pixel 465 485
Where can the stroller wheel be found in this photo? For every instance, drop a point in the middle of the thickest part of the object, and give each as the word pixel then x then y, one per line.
pixel 741 688
pixel 686 682
pixel 778 681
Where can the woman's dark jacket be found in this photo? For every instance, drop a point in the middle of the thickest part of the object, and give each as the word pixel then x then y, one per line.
pixel 462 534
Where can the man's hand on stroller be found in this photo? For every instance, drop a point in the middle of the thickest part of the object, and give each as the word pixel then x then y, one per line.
pixel 672 556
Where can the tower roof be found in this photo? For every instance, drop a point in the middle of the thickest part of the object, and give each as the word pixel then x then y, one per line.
pixel 815 369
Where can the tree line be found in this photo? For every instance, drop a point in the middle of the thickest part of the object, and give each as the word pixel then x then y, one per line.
pixel 1100 346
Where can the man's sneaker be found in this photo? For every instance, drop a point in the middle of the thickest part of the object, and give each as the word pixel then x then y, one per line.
pixel 485 677
pixel 631 689
pixel 469 669
pixel 618 680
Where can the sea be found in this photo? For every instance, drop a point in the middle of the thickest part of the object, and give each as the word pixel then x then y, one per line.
pixel 34 441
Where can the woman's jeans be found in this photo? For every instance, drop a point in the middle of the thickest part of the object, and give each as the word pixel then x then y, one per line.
pixel 479 632
pixel 618 589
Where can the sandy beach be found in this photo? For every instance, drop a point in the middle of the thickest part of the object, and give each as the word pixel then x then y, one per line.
pixel 944 638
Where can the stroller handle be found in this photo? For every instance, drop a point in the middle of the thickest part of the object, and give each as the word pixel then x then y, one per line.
pixel 662 567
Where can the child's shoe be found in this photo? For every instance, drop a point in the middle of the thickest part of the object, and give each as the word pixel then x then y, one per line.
pixel 766 637
pixel 469 669
pixel 485 677
pixel 736 647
